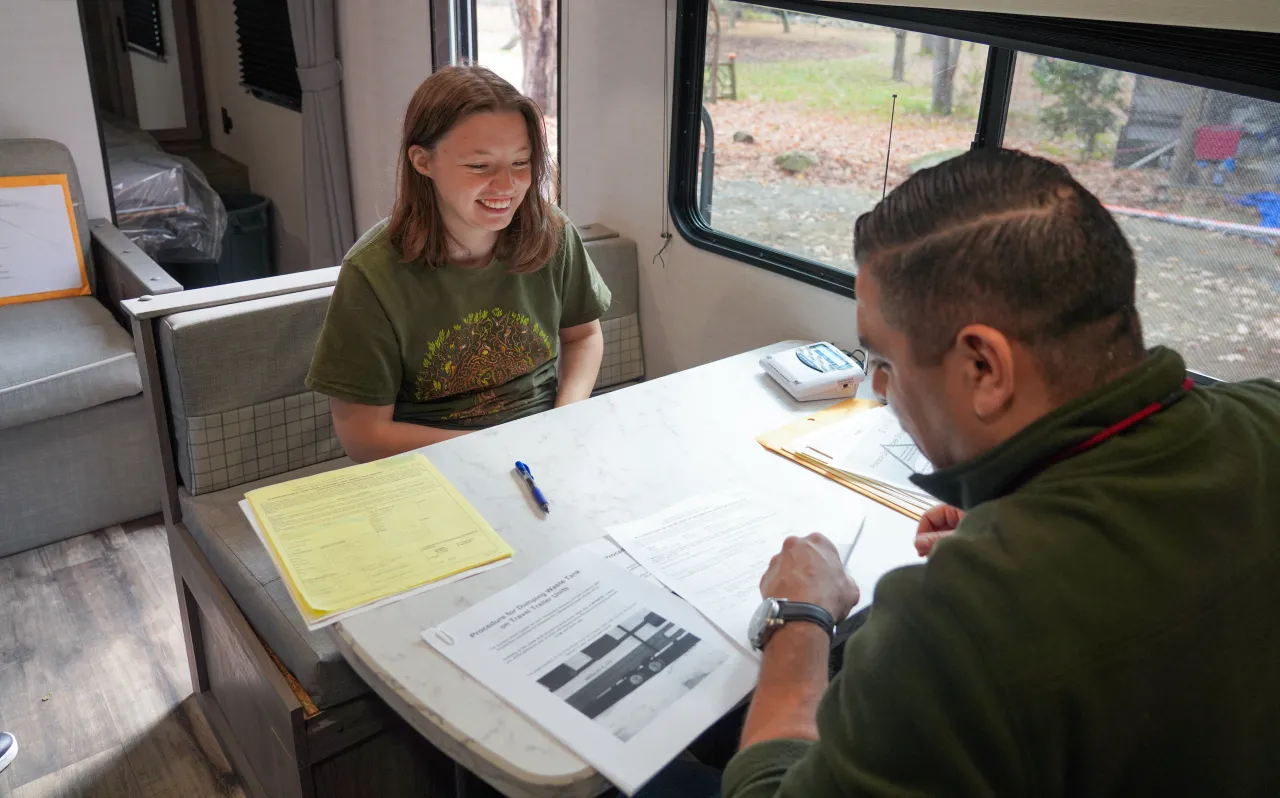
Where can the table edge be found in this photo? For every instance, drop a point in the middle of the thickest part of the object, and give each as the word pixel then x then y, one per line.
pixel 380 683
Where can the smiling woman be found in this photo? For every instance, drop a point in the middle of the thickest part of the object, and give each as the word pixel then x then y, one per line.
pixel 475 303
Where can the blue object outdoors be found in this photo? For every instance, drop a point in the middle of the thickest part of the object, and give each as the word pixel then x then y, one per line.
pixel 1268 205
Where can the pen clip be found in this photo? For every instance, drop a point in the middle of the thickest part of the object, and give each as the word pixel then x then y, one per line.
pixel 523 469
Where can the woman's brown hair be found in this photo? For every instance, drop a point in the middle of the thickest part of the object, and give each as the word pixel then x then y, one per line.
pixel 442 101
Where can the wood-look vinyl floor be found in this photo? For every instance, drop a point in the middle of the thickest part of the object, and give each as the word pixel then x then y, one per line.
pixel 93 674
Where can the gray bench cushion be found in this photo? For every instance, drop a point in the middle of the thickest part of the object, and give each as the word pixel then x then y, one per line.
pixel 616 259
pixel 245 568
pixel 61 356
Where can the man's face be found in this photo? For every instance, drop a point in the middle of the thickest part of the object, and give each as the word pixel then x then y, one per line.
pixel 929 401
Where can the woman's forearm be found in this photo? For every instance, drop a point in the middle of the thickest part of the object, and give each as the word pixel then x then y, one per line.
pixel 389 438
pixel 579 367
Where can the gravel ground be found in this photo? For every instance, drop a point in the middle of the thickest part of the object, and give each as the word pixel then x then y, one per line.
pixel 1214 298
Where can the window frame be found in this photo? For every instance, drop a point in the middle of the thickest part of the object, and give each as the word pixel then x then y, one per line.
pixel 453 32
pixel 283 95
pixel 140 16
pixel 455 39
pixel 1006 35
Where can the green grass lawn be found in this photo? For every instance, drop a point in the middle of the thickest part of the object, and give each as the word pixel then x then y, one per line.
pixel 860 85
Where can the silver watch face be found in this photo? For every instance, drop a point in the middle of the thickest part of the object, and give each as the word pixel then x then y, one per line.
pixel 760 626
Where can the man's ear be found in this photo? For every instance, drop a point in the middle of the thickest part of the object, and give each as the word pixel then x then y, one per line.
pixel 421 160
pixel 987 357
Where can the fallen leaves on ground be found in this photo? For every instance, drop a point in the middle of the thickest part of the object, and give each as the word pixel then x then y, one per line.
pixel 851 152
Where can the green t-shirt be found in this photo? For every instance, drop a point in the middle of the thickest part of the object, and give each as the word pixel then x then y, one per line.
pixel 449 347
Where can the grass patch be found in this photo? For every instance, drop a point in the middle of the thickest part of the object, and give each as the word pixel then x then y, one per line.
pixel 860 85
pixel 1024 131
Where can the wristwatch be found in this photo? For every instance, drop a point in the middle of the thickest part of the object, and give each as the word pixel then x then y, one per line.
pixel 774 612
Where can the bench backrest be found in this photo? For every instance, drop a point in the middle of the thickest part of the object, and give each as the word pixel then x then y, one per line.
pixel 616 260
pixel 234 377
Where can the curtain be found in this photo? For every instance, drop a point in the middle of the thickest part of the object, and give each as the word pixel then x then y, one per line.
pixel 326 180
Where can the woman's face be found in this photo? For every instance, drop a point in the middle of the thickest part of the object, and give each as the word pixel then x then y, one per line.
pixel 481 171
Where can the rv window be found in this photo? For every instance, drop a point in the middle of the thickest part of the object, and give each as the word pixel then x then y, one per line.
pixel 794 128
pixel 781 126
pixel 268 65
pixel 1193 176
pixel 520 40
pixel 142 27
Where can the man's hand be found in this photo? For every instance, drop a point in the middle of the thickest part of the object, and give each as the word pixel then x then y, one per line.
pixel 935 525
pixel 808 569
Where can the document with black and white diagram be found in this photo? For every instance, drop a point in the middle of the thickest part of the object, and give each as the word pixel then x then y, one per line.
pixel 619 669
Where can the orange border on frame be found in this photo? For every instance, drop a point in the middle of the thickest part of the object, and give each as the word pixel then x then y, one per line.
pixel 24 181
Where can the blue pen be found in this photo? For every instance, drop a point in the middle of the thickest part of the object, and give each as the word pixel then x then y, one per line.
pixel 533 487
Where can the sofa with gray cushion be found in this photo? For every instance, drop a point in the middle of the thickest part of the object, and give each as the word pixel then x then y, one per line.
pixel 76 450
pixel 226 367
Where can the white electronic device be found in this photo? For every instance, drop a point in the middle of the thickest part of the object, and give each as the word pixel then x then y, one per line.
pixel 815 371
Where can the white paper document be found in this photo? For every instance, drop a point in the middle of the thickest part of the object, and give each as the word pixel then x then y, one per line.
pixel 610 551
pixel 39 253
pixel 614 666
pixel 713 550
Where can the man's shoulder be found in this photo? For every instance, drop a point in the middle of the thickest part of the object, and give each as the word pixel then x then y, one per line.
pixel 1259 398
pixel 1016 578
pixel 1060 578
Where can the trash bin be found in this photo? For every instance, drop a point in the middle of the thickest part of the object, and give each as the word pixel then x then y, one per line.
pixel 246 247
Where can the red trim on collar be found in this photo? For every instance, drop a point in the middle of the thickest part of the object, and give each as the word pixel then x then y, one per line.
pixel 1124 424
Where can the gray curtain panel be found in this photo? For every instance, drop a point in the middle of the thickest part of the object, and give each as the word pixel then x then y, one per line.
pixel 330 225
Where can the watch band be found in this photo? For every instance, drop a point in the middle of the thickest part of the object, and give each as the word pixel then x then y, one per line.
pixel 803 611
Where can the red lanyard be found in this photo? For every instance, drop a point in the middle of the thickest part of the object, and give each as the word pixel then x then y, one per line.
pixel 1124 424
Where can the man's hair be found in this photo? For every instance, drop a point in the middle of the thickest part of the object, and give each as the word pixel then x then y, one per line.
pixel 1011 241
pixel 443 101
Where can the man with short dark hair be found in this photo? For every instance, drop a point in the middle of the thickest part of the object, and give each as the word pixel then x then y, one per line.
pixel 1104 620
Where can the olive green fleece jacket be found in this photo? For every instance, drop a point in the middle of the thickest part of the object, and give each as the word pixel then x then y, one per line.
pixel 1106 625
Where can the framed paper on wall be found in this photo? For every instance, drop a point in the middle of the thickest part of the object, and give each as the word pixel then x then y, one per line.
pixel 40 255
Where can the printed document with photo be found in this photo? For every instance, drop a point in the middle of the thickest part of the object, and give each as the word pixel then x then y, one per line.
pixel 612 664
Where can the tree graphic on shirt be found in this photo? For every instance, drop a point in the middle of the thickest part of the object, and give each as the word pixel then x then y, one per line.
pixel 480 353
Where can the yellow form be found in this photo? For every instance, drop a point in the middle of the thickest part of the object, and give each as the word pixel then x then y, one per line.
pixel 348 537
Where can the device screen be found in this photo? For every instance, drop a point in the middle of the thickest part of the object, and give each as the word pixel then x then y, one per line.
pixel 823 357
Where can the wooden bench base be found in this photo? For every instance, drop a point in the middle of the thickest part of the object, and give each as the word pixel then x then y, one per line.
pixel 280 745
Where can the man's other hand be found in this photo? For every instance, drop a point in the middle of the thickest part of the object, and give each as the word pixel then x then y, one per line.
pixel 808 569
pixel 935 525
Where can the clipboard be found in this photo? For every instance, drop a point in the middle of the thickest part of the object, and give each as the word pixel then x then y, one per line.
pixel 40 254
pixel 780 441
